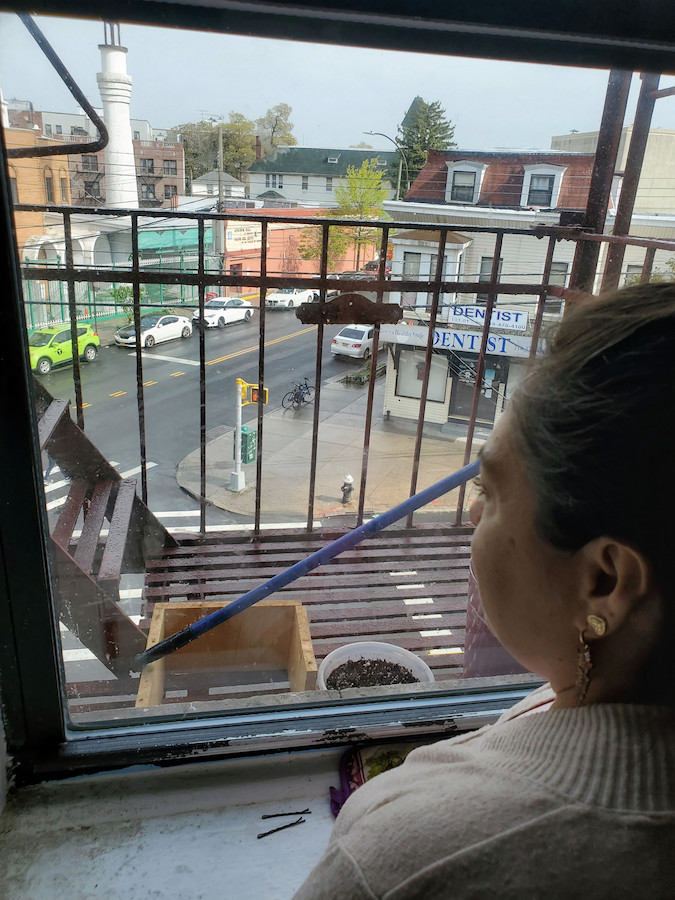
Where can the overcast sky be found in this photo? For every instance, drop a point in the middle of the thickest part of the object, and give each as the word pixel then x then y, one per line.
pixel 337 93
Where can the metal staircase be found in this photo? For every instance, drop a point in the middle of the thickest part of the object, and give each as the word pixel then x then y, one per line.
pixel 89 562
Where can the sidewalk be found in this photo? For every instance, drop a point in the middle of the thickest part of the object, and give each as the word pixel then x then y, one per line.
pixel 287 439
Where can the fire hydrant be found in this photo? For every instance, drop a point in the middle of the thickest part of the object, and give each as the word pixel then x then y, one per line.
pixel 347 488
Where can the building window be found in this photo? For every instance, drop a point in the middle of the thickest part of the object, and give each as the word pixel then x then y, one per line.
pixel 92 189
pixel 209 188
pixel 329 184
pixel 90 163
pixel 49 188
pixel 14 189
pixel 59 129
pixel 170 190
pixel 558 274
pixel 541 190
pixel 170 167
pixel 305 182
pixel 485 273
pixel 633 274
pixel 48 130
pixel 463 186
pixel 464 181
pixel 274 181
pixel 137 135
pixel 148 166
pixel 148 192
pixel 541 186
pixel 64 190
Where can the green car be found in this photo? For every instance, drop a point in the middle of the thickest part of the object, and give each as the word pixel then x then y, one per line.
pixel 52 346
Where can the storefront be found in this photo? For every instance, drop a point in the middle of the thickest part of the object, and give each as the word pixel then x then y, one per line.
pixel 454 365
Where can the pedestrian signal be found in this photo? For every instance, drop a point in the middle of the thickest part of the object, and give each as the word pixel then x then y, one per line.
pixel 256 392
pixel 251 394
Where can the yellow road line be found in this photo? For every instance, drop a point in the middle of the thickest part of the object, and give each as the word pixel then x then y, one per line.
pixel 85 405
pixel 176 374
pixel 148 383
pixel 278 340
pixel 117 394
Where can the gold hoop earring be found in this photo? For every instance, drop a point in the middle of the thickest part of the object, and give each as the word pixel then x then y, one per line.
pixel 597 624
pixel 584 666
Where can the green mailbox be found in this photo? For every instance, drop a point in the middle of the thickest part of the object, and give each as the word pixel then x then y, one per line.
pixel 249 440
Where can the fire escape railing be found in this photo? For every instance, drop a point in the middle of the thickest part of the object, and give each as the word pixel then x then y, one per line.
pixel 438 286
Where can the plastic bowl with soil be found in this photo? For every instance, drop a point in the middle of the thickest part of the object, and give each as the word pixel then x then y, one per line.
pixel 371 664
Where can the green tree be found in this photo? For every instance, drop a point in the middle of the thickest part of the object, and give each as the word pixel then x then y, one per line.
pixel 275 127
pixel 200 146
pixel 359 195
pixel 424 127
pixel 657 276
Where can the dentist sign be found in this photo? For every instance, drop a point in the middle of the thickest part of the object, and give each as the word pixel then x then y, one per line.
pixel 456 339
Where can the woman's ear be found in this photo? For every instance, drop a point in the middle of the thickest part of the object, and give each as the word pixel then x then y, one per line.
pixel 616 579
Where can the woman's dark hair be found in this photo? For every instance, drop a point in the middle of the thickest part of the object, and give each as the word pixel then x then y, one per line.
pixel 595 425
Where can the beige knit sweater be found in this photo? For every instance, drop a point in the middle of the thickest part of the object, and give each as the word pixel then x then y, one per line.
pixel 576 803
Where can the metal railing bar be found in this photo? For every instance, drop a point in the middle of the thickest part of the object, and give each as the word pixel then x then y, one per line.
pixel 64 149
pixel 323 268
pixel 211 215
pixel 261 383
pixel 72 312
pixel 202 385
pixel 140 396
pixel 647 265
pixel 539 318
pixel 440 262
pixel 384 241
pixel 480 370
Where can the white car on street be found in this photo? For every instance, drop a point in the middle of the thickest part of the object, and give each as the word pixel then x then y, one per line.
pixel 353 340
pixel 155 329
pixel 222 311
pixel 290 297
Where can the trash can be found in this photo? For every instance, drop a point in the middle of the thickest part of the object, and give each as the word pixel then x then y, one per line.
pixel 249 443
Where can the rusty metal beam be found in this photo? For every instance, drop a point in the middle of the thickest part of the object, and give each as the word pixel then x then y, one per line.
pixel 631 178
pixel 586 255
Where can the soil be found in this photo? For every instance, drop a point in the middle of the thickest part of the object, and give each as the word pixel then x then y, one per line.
pixel 368 673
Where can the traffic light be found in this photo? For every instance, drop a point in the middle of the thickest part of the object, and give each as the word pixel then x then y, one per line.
pixel 255 394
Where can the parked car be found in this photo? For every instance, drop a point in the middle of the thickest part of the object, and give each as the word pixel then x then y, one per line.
pixel 290 297
pixel 222 311
pixel 155 329
pixel 353 340
pixel 53 346
pixel 374 266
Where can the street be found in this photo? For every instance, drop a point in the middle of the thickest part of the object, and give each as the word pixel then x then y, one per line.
pixel 171 379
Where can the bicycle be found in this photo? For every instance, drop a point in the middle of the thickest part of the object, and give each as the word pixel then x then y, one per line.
pixel 303 392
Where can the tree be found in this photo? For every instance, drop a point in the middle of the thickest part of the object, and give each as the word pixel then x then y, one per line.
pixel 200 146
pixel 275 127
pixel 361 146
pixel 424 127
pixel 658 275
pixel 359 195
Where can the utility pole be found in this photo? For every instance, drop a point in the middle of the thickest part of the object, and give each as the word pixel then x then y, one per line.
pixel 219 249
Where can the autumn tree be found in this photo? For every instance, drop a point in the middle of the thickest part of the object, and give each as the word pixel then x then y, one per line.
pixel 424 127
pixel 275 128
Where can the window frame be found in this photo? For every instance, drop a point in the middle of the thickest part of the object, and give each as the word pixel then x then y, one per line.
pixel 465 166
pixel 170 167
pixel 31 691
pixel 543 169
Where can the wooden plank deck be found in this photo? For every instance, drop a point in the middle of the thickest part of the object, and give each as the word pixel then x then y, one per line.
pixel 406 587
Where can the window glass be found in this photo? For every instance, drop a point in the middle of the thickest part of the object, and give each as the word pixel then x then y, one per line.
pixel 153 417
pixel 49 188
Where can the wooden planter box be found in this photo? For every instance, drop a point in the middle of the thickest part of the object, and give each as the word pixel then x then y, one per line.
pixel 270 636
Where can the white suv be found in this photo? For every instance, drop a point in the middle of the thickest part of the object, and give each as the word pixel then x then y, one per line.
pixel 290 297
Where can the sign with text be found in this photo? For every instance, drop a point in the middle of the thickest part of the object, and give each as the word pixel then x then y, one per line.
pixel 243 236
pixel 454 339
pixel 513 319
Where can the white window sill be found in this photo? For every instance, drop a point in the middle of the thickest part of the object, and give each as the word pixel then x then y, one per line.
pixel 184 832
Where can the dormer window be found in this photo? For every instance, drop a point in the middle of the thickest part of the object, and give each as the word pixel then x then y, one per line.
pixel 541 186
pixel 333 159
pixel 464 181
